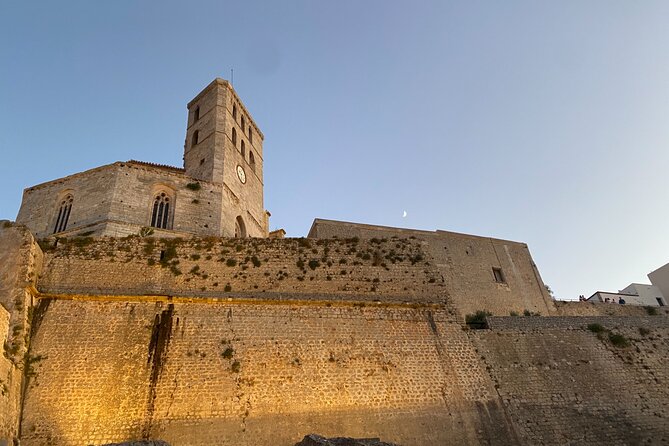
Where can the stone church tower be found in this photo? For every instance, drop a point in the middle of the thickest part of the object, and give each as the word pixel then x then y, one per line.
pixel 218 192
pixel 224 146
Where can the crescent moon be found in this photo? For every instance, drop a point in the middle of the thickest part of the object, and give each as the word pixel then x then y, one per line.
pixel 404 214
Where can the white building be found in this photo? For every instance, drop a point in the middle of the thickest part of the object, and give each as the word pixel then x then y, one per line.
pixel 647 295
pixel 642 294
pixel 660 278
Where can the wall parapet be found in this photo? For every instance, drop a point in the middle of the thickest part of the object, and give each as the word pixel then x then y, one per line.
pixel 396 270
pixel 527 323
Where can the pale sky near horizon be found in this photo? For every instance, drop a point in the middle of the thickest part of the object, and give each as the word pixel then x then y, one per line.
pixel 537 121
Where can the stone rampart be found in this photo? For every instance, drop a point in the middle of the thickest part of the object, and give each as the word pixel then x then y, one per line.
pixel 467 263
pixel 20 263
pixel 574 322
pixel 231 373
pixel 575 308
pixel 229 341
pixel 390 269
pixel 562 383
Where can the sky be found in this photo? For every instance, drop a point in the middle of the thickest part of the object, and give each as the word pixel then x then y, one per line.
pixel 536 121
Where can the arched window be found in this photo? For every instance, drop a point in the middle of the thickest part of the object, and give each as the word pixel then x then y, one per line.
pixel 240 228
pixel 196 114
pixel 234 112
pixel 243 124
pixel 63 214
pixel 250 135
pixel 196 138
pixel 160 216
pixel 243 149
pixel 234 137
pixel 252 161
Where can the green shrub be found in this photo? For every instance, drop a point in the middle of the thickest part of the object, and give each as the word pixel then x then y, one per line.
pixel 643 331
pixel 81 242
pixel 313 264
pixel 256 261
pixel 596 328
pixel 228 353
pixel 514 313
pixel 478 320
pixel 146 232
pixel 231 262
pixel 652 311
pixel 618 340
pixel 193 186
pixel 227 288
pixel 175 270
pixel 531 313
pixel 236 367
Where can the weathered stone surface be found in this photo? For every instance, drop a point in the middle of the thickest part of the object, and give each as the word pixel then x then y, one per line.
pixel 140 443
pixel 317 440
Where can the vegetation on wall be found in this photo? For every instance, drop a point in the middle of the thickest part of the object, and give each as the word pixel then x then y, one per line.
pixel 478 320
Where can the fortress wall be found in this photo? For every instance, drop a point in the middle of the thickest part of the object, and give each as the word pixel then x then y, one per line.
pixel 280 268
pixel 20 263
pixel 562 384
pixel 605 309
pixel 258 373
pixel 466 262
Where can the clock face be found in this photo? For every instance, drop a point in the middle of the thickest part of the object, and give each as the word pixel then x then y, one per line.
pixel 241 174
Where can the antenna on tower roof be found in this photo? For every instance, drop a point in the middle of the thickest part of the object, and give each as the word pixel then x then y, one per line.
pixel 232 76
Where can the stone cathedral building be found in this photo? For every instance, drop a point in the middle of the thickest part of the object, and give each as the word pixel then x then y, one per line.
pixel 218 192
pixel 143 302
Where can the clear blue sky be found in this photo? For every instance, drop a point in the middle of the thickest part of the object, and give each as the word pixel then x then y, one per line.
pixel 544 122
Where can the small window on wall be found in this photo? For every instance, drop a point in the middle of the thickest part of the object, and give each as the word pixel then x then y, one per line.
pixel 64 209
pixel 243 149
pixel 234 112
pixel 160 216
pixel 234 137
pixel 243 124
pixel 499 275
pixel 196 138
pixel 196 114
pixel 252 161
pixel 250 135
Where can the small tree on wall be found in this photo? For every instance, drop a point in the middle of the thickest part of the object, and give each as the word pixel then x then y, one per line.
pixel 549 291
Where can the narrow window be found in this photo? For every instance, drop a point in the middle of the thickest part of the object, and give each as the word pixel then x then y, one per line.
pixel 161 211
pixel 252 161
pixel 499 276
pixel 196 114
pixel 234 112
pixel 240 228
pixel 243 124
pixel 196 138
pixel 250 135
pixel 660 302
pixel 243 149
pixel 234 137
pixel 63 214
